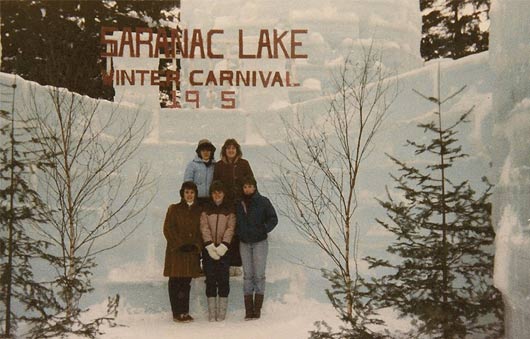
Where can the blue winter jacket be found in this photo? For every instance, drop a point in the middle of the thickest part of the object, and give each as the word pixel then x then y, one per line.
pixel 254 223
pixel 201 175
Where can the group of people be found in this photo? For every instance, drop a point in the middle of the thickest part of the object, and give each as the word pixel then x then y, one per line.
pixel 222 221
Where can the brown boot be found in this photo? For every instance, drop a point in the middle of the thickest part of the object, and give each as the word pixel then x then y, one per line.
pixel 258 302
pixel 249 307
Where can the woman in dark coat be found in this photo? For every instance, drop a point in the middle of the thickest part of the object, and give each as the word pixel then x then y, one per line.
pixel 256 217
pixel 184 243
pixel 231 170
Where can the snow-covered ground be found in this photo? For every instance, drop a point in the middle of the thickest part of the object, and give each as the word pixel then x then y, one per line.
pixel 289 318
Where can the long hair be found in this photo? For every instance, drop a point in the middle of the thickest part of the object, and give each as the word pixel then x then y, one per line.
pixel 229 142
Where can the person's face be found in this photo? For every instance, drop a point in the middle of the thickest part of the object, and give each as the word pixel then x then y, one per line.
pixel 249 189
pixel 206 153
pixel 189 195
pixel 231 151
pixel 218 196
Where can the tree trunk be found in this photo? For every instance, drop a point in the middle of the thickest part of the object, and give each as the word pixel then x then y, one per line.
pixel 445 269
pixel 349 296
pixel 10 243
pixel 65 130
pixel 457 35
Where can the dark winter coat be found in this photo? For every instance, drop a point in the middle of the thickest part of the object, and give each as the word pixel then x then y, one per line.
pixel 231 174
pixel 218 224
pixel 256 220
pixel 201 174
pixel 183 235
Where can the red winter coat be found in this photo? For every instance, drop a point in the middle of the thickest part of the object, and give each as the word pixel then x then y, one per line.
pixel 231 174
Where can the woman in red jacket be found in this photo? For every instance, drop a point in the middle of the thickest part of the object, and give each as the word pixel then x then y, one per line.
pixel 231 170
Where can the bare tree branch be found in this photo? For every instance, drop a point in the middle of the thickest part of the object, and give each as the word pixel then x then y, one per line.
pixel 322 162
pixel 93 206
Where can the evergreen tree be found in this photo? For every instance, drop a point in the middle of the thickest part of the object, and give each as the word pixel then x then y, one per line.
pixel 442 276
pixel 355 325
pixel 58 42
pixel 454 28
pixel 21 208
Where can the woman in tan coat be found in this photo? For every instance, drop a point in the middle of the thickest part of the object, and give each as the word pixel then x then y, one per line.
pixel 184 243
pixel 218 223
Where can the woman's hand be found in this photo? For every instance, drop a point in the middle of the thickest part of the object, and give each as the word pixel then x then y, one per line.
pixel 212 252
pixel 221 249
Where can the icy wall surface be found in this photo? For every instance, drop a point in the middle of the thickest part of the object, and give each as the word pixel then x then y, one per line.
pixel 509 148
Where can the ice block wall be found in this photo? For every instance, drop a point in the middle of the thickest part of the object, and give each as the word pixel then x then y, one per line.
pixel 509 141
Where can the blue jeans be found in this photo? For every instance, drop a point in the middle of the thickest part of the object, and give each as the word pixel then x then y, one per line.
pixel 254 259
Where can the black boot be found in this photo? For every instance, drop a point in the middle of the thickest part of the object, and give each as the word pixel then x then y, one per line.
pixel 249 307
pixel 258 302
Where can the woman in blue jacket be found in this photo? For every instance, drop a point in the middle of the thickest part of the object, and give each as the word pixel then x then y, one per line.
pixel 200 170
pixel 255 217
